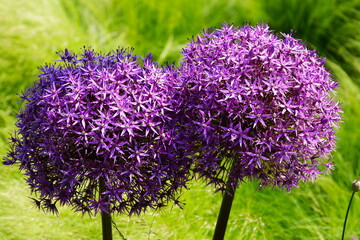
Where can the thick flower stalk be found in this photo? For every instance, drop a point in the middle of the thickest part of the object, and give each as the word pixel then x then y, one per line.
pixel 257 106
pixel 100 120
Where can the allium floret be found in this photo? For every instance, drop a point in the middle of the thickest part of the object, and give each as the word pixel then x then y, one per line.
pixel 95 118
pixel 257 106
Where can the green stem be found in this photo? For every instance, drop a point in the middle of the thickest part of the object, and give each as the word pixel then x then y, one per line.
pixel 105 217
pixel 346 216
pixel 224 214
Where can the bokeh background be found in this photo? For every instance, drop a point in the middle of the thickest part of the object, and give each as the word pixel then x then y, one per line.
pixel 31 32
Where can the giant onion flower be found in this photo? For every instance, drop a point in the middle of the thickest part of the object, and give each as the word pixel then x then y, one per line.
pixel 257 106
pixel 100 120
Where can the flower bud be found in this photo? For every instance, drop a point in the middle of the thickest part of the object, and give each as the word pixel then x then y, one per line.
pixel 355 186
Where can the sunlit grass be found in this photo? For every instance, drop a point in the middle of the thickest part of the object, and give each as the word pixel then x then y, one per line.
pixel 32 31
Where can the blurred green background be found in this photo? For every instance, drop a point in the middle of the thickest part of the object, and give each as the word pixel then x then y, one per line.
pixel 32 31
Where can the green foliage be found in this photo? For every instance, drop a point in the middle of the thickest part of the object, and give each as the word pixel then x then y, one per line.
pixel 32 31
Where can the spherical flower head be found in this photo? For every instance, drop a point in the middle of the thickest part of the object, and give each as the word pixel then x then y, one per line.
pixel 258 106
pixel 105 118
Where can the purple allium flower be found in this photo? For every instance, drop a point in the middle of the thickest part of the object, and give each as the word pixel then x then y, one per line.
pixel 98 118
pixel 257 106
